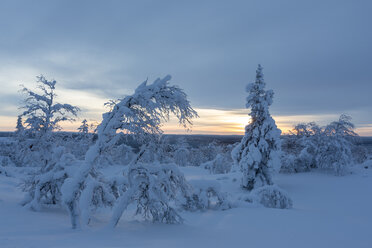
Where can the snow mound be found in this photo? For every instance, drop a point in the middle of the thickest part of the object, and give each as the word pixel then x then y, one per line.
pixel 207 195
pixel 271 196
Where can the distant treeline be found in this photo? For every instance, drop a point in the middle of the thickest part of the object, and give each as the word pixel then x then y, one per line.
pixel 201 139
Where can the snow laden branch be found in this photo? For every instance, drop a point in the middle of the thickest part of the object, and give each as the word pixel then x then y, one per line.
pixel 143 112
pixel 139 115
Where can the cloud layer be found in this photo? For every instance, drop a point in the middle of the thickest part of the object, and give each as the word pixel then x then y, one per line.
pixel 316 54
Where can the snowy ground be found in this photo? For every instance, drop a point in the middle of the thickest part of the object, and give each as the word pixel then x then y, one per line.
pixel 329 211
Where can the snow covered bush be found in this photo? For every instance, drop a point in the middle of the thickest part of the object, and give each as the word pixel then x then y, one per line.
pixel 212 150
pixel 335 149
pixel 301 148
pixel 181 152
pixel 154 189
pixel 332 147
pixel 7 151
pixel 271 196
pixel 44 186
pixel 122 154
pixel 5 164
pixel 288 163
pixel 206 195
pixel 302 162
pixel 164 150
pixel 5 161
pixel 359 153
pixel 220 165
pixel 97 193
pixel 139 115
pixel 258 152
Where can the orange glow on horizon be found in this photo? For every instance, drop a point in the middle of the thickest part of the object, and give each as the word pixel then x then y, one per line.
pixel 211 121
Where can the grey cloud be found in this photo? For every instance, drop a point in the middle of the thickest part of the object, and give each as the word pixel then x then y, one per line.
pixel 316 54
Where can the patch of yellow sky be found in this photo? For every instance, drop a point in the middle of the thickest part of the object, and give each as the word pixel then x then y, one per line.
pixel 232 122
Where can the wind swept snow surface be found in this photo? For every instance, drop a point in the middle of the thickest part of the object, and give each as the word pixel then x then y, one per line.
pixel 328 211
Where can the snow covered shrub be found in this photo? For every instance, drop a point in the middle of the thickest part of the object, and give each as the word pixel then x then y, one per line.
pixel 5 164
pixel 6 161
pixel 291 163
pixel 288 163
pixel 271 196
pixel 8 147
pixel 181 152
pixel 220 165
pixel 331 148
pixel 164 150
pixel 153 188
pixel 335 155
pixel 118 184
pixel 300 149
pixel 96 194
pixel 44 187
pixel 258 152
pixel 139 115
pixel 79 143
pixel 212 150
pixel 359 153
pixel 122 154
pixel 34 151
pixel 148 153
pixel 206 196
pixel 290 144
pixel 336 144
pixel 197 156
pixel 3 171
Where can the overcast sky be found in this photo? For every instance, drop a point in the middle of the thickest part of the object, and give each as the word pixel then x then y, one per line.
pixel 316 55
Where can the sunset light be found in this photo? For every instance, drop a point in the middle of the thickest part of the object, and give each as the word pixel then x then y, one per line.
pixel 185 124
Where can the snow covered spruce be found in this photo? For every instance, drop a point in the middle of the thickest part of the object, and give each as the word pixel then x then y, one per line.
pixel 258 153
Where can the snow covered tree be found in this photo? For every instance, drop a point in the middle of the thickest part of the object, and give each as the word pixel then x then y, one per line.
pixel 152 187
pixel 330 147
pixel 42 114
pixel 78 143
pixel 258 152
pixel 181 152
pixel 342 128
pixel 301 148
pixel 336 145
pixel 140 116
pixel 19 128
pixel 221 164
pixel 84 127
pixel 44 187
